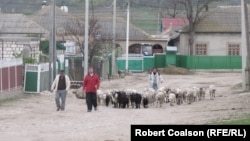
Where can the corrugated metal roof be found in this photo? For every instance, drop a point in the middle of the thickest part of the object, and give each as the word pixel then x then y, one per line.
pixel 135 33
pixel 44 18
pixel 175 23
pixel 19 24
pixel 64 20
pixel 221 19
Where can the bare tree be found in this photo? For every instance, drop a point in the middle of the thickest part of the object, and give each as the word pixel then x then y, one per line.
pixel 169 8
pixel 194 12
pixel 99 43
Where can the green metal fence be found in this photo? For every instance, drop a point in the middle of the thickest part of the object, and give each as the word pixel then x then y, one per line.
pixel 135 64
pixel 209 62
pixel 142 63
pixel 149 62
pixel 160 60
pixel 170 58
pixel 188 62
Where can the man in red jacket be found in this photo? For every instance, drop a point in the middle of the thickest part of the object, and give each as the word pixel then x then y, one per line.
pixel 90 85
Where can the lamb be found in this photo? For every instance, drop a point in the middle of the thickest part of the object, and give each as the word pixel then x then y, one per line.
pixel 179 95
pixel 129 93
pixel 122 99
pixel 212 90
pixel 101 96
pixel 172 99
pixel 107 97
pixel 148 96
pixel 202 93
pixel 114 98
pixel 160 96
pixel 79 93
pixel 196 95
pixel 189 95
pixel 136 99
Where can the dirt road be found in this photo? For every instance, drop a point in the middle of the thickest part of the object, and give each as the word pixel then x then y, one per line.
pixel 36 119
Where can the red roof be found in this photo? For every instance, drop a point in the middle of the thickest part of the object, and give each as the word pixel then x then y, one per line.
pixel 176 23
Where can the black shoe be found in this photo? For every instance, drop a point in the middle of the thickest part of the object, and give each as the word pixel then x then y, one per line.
pixel 57 109
pixel 89 110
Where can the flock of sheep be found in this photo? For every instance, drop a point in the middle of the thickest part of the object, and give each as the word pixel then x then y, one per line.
pixel 149 97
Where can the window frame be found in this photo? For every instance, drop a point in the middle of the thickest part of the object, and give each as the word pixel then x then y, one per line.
pixel 233 49
pixel 201 49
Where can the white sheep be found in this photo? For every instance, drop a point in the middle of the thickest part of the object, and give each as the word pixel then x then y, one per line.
pixel 148 95
pixel 101 96
pixel 179 95
pixel 196 94
pixel 79 93
pixel 160 96
pixel 172 99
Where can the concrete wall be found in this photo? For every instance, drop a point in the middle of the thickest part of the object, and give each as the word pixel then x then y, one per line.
pixel 217 42
pixel 11 47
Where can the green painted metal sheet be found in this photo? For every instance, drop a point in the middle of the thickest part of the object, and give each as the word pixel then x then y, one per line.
pixel 31 82
pixel 209 62
pixel 149 62
pixel 160 60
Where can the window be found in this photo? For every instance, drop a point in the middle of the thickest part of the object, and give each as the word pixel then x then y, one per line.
pixel 233 49
pixel 147 50
pixel 201 49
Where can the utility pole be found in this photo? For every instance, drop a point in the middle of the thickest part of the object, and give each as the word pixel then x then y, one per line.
pixel 114 37
pixel 54 40
pixel 86 36
pixel 127 36
pixel 158 18
pixel 245 46
pixel 51 44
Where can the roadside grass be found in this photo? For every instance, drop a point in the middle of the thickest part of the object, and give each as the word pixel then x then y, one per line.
pixel 15 98
pixel 242 120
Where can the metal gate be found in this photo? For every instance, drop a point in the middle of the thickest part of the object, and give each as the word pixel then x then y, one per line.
pixel 135 63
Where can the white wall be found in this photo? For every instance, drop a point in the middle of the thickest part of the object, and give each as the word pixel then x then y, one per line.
pixel 10 48
pixel 217 42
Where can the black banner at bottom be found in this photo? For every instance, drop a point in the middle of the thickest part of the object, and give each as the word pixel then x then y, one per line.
pixel 192 132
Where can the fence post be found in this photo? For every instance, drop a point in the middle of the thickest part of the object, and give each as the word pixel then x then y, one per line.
pixel 1 79
pixel 9 78
pixel 15 75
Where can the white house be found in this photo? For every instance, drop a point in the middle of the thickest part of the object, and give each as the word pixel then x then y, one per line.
pixel 217 34
pixel 19 34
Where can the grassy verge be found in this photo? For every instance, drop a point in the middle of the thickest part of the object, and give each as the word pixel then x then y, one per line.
pixel 243 120
pixel 15 98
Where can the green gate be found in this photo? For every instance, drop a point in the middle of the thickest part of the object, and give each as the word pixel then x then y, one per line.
pixel 135 63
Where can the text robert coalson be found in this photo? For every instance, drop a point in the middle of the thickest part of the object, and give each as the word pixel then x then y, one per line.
pixel 192 131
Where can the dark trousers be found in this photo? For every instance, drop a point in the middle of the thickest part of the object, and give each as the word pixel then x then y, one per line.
pixel 91 100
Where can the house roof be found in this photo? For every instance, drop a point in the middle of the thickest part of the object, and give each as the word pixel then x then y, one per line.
pixel 19 24
pixel 221 19
pixel 63 19
pixel 175 23
pixel 106 28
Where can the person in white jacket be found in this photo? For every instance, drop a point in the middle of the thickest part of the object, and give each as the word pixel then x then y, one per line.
pixel 155 79
pixel 60 86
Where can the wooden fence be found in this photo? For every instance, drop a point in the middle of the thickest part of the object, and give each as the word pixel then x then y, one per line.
pixel 11 74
